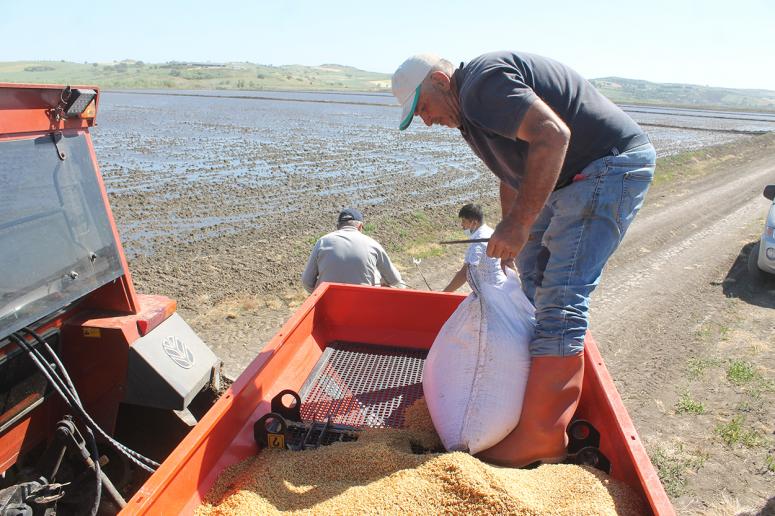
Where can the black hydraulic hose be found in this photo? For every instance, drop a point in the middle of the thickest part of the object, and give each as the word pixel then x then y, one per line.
pixel 58 385
pixel 40 361
pixel 98 471
pixel 54 357
pixel 71 399
pixel 76 404
pixel 61 367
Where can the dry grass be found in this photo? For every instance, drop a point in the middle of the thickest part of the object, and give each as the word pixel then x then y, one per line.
pixel 425 250
pixel 238 306
pixel 726 506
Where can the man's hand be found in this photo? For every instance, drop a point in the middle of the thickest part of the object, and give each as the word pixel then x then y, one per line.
pixel 508 240
pixel 508 264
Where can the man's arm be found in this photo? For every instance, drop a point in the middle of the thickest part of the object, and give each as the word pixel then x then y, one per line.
pixel 458 280
pixel 508 196
pixel 390 275
pixel 548 138
pixel 310 275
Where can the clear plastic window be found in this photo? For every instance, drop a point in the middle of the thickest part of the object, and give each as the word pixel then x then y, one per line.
pixel 56 243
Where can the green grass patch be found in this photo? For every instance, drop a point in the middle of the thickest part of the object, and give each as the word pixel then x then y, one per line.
pixel 698 366
pixel 425 250
pixel 740 372
pixel 713 331
pixel 312 239
pixel 769 463
pixel 699 162
pixel 674 467
pixel 704 332
pixel 686 405
pixel 420 217
pixel 734 432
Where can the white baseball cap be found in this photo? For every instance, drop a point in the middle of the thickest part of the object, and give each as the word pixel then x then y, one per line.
pixel 406 84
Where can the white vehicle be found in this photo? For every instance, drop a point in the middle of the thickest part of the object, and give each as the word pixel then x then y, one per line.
pixel 761 259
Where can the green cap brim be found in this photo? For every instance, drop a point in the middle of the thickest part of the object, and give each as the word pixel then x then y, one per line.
pixel 408 119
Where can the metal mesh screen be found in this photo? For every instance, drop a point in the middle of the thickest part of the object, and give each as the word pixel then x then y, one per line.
pixel 363 385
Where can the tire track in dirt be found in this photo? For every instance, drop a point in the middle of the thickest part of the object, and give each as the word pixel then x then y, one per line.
pixel 663 282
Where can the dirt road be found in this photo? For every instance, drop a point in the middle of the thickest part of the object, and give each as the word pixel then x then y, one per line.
pixel 663 306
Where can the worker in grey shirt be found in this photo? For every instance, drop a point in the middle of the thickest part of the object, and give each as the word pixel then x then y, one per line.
pixel 349 256
pixel 574 170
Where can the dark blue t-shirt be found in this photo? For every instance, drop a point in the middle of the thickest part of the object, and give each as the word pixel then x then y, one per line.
pixel 495 92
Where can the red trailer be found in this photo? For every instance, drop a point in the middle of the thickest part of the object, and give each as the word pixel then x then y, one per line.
pixel 369 325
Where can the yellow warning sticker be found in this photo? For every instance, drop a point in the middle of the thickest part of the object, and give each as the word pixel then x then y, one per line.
pixel 276 440
pixel 91 332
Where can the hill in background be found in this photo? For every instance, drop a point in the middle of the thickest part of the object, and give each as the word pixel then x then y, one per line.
pixel 690 95
pixel 130 74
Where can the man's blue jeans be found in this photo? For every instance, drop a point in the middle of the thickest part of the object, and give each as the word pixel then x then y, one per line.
pixel 570 242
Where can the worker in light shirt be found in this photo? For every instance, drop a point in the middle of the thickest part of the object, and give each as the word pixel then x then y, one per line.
pixel 476 262
pixel 348 256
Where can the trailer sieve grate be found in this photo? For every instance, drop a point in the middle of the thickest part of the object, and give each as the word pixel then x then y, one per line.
pixel 363 385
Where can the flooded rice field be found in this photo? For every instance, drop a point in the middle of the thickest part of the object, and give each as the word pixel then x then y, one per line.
pixel 183 166
pixel 219 196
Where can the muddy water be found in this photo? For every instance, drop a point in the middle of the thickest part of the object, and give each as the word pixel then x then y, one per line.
pixel 192 165
pixel 219 163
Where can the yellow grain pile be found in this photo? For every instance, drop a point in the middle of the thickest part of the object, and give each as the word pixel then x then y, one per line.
pixel 379 474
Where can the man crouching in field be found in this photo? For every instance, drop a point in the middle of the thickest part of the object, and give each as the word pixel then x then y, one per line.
pixel 348 256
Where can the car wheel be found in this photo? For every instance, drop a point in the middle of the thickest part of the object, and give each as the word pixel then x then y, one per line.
pixel 753 266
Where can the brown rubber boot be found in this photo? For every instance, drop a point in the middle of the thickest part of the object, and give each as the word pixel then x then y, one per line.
pixel 551 396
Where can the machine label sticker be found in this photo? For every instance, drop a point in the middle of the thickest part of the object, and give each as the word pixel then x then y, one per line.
pixel 91 332
pixel 177 350
pixel 276 440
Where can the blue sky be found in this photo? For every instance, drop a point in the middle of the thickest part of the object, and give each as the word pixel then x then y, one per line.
pixel 713 42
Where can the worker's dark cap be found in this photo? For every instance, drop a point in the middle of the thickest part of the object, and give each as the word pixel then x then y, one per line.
pixel 350 214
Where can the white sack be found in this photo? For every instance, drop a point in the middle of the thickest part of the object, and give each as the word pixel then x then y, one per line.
pixel 475 374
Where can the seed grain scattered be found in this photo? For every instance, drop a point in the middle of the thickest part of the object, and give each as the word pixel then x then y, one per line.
pixel 380 474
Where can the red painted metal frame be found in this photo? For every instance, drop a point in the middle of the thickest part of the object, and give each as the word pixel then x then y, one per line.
pixel 119 295
pixel 24 114
pixel 378 316
pixel 94 348
pixel 24 109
